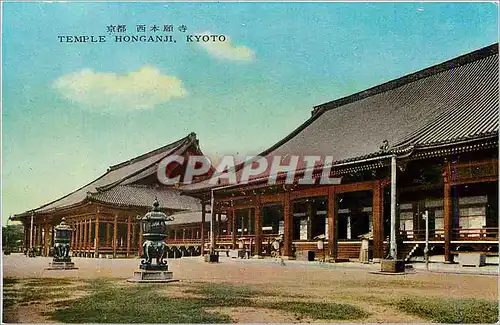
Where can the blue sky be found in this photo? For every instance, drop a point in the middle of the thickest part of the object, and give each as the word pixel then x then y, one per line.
pixel 70 110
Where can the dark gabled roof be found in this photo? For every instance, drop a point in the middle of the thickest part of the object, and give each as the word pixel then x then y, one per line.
pixel 143 196
pixel 455 100
pixel 447 103
pixel 187 217
pixel 121 174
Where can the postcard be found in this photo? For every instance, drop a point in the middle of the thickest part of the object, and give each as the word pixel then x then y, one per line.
pixel 249 162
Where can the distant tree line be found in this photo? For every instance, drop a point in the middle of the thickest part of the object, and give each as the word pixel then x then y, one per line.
pixel 12 236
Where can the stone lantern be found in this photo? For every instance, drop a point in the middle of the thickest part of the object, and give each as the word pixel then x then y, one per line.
pixel 154 232
pixel 62 240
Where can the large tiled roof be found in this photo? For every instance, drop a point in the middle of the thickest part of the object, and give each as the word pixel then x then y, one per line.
pixel 111 187
pixel 451 102
pixel 143 196
pixel 187 217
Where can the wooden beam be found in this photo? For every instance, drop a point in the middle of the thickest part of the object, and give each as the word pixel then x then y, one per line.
pixel 271 198
pixel 475 180
pixel 355 187
pixel 309 192
pixel 244 206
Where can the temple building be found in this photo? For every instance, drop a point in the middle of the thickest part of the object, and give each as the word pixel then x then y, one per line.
pixel 104 212
pixel 439 125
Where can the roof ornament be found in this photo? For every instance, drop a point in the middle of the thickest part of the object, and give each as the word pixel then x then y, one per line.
pixel 156 205
pixel 385 146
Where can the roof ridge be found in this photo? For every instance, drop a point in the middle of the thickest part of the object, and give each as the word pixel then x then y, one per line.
pixel 190 138
pixel 62 197
pixel 409 78
pixel 146 155
pixel 320 109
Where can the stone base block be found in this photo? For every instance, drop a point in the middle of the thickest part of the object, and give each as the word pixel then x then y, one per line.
pixel 392 266
pixel 212 258
pixel 471 259
pixel 336 260
pixel 152 277
pixel 61 266
pixel 153 267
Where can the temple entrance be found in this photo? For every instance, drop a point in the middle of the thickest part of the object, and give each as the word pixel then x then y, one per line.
pixel 354 215
pixel 273 220
pixel 310 218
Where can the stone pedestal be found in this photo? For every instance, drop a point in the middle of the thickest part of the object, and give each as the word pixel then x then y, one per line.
pixel 61 264
pixel 153 274
pixel 471 259
pixel 212 258
pixel 392 266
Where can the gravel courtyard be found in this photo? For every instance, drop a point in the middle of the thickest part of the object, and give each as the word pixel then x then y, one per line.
pixel 344 282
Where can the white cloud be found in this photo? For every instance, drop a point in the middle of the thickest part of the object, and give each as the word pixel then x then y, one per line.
pixel 140 89
pixel 227 50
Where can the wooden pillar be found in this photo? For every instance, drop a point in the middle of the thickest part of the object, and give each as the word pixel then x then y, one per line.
pixel 203 215
pixel 80 236
pixel 139 244
pixel 26 237
pixel 258 228
pixel 288 235
pixel 233 227
pixel 218 231
pixel 129 231
pixel 134 235
pixel 85 235
pixel 309 220
pixel 46 241
pixel 115 235
pixel 96 241
pixel 378 220
pixel 90 239
pixel 108 234
pixel 332 223
pixel 39 235
pixel 76 234
pixel 249 222
pixel 447 214
pixel 72 243
pixel 213 236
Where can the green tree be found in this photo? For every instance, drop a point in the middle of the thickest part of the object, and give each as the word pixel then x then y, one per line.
pixel 12 236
